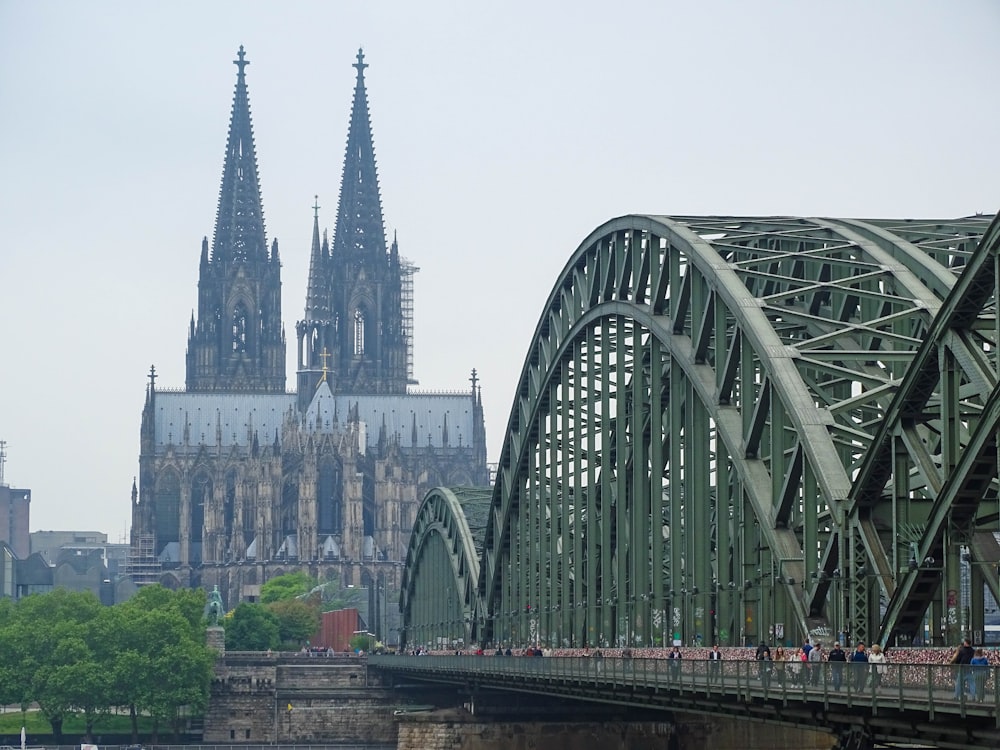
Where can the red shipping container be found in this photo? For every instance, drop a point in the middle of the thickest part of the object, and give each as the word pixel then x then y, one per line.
pixel 336 630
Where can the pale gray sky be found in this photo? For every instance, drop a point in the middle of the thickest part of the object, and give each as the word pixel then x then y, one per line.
pixel 505 133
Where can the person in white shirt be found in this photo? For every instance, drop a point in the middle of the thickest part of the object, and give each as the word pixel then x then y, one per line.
pixel 878 661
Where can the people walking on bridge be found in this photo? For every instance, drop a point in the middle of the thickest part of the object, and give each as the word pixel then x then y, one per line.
pixel 795 660
pixel 837 659
pixel 962 659
pixel 780 659
pixel 878 661
pixel 675 662
pixel 815 664
pixel 980 673
pixel 714 664
pixel 806 648
pixel 859 667
pixel 764 664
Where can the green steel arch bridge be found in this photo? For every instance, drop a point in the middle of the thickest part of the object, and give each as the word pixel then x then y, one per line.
pixel 732 430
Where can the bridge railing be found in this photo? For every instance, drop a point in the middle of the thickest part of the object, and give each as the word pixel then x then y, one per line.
pixel 925 687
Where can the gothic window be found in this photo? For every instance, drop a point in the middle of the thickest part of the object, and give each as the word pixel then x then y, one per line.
pixel 289 506
pixel 249 520
pixel 240 329
pixel 168 509
pixel 201 495
pixel 359 333
pixel 229 510
pixel 330 499
pixel 368 503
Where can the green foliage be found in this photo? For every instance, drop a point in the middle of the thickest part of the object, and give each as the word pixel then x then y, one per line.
pixel 74 723
pixel 252 627
pixel 298 620
pixel 362 642
pixel 335 597
pixel 74 657
pixel 50 634
pixel 286 586
pixel 329 594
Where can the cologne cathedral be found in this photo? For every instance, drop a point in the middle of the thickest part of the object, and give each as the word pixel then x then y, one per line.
pixel 241 480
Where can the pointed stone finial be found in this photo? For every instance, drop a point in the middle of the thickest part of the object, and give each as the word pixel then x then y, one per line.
pixel 316 208
pixel 360 64
pixel 242 62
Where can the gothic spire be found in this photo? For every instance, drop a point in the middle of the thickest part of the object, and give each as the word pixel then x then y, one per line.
pixel 318 293
pixel 239 223
pixel 359 228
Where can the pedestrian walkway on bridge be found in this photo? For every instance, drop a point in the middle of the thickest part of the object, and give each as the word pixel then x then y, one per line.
pixel 906 702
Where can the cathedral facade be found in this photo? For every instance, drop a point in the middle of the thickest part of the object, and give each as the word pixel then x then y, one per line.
pixel 241 480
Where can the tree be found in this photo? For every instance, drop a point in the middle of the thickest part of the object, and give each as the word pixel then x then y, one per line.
pixel 363 642
pixel 180 668
pixel 50 634
pixel 14 679
pixel 287 586
pixel 138 631
pixel 251 627
pixel 189 603
pixel 298 620
pixel 335 597
pixel 81 680
pixel 66 652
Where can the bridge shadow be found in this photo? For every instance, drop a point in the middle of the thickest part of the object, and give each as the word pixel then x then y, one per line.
pixel 906 703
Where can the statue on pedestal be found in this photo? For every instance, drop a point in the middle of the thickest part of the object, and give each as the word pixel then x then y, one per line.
pixel 214 611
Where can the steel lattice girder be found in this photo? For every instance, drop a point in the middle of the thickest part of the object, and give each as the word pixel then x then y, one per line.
pixel 698 395
pixel 943 421
pixel 439 594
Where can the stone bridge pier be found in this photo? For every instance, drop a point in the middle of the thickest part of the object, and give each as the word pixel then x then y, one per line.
pixel 291 699
pixel 458 729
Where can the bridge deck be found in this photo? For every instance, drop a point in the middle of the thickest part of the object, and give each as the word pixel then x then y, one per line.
pixel 912 702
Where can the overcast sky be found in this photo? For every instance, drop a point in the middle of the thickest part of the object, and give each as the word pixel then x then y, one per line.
pixel 504 132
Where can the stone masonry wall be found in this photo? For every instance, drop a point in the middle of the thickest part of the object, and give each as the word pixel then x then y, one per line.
pixel 283 700
pixel 453 730
pixel 264 699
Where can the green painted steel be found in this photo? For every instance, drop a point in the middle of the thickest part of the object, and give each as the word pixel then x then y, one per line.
pixel 439 595
pixel 907 705
pixel 742 429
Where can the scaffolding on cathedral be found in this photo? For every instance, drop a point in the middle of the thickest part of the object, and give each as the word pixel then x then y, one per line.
pixel 142 565
pixel 406 270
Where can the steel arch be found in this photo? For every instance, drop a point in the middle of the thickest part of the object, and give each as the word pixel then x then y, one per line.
pixel 439 594
pixel 698 396
pixel 933 463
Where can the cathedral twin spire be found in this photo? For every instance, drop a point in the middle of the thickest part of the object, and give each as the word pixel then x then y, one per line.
pixel 237 342
pixel 239 223
pixel 353 308
pixel 360 229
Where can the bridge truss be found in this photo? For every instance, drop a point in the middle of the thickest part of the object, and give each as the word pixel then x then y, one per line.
pixel 439 593
pixel 740 429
